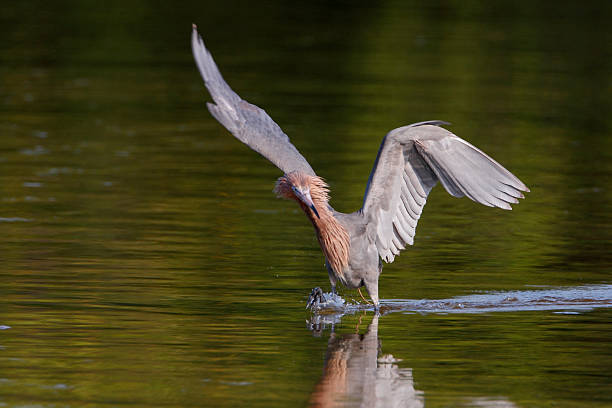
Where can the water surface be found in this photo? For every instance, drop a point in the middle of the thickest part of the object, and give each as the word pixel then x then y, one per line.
pixel 146 262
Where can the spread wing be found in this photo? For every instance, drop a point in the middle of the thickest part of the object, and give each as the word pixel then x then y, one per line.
pixel 410 161
pixel 250 124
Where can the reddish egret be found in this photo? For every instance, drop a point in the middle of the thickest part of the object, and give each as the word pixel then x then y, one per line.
pixel 410 162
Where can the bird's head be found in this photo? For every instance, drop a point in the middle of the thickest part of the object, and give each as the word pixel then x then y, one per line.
pixel 310 191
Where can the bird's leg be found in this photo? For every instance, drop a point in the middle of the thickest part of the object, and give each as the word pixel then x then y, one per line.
pixel 364 299
pixel 372 287
pixel 332 277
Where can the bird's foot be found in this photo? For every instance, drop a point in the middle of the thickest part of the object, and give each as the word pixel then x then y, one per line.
pixel 315 299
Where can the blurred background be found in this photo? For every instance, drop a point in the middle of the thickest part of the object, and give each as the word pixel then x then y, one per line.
pixel 145 261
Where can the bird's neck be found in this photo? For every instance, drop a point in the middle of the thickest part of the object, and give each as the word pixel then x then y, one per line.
pixel 333 237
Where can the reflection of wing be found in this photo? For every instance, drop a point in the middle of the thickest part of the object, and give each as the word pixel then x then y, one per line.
pixel 411 160
pixel 250 124
pixel 352 373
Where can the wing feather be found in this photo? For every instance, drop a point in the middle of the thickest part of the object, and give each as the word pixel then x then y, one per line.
pixel 403 231
pixel 247 122
pixel 410 162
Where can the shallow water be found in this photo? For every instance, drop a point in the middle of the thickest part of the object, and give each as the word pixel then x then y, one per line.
pixel 146 262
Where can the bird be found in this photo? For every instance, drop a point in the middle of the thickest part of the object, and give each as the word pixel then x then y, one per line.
pixel 411 160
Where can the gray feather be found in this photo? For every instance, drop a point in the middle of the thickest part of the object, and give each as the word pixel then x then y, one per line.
pixel 248 123
pixel 410 161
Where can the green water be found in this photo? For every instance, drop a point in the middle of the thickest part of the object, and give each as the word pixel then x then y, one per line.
pixel 144 260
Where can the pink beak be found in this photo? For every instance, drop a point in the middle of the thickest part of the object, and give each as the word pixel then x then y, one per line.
pixel 306 199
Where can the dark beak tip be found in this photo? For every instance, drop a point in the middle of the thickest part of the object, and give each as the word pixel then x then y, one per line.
pixel 315 211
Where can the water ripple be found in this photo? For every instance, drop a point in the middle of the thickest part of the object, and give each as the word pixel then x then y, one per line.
pixel 579 298
pixel 566 300
pixel 14 219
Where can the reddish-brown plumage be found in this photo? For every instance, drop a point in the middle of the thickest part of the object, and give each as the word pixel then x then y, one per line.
pixel 332 236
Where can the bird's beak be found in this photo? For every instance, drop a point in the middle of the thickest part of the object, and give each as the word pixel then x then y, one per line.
pixel 314 210
pixel 306 199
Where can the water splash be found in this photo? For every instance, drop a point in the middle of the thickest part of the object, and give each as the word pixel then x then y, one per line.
pixel 570 300
pixel 330 302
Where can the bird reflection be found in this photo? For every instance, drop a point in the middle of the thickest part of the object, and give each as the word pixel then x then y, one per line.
pixel 356 374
